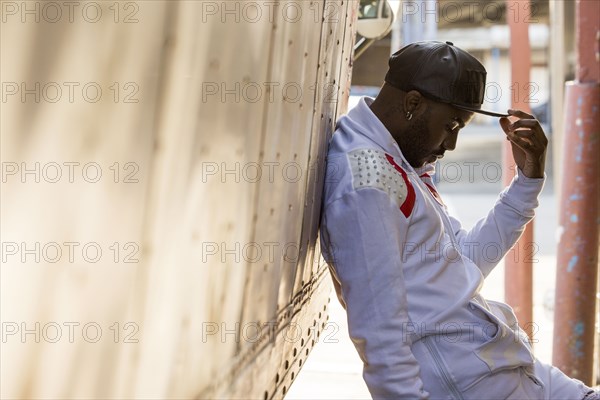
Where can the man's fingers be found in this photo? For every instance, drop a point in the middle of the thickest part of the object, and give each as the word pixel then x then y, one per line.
pixel 525 123
pixel 524 144
pixel 520 114
pixel 505 123
pixel 527 135
pixel 529 128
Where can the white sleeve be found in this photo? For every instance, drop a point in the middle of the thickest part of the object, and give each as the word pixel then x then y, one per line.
pixel 494 235
pixel 363 232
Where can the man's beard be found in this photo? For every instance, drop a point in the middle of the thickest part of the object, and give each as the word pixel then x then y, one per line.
pixel 411 141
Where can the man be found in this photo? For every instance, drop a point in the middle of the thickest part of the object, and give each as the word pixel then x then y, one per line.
pixel 405 271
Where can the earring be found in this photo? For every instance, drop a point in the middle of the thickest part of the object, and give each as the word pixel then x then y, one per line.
pixel 408 115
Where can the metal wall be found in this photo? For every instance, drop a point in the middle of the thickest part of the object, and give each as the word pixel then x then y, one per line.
pixel 162 168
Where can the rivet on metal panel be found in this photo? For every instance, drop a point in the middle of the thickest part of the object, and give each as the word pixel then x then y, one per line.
pixel 277 378
pixel 284 390
pixel 287 364
pixel 293 376
pixel 305 54
pixel 272 211
pixel 290 208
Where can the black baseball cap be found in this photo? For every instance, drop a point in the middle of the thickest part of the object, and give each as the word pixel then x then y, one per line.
pixel 442 72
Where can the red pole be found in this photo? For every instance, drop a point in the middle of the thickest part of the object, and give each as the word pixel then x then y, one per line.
pixel 577 259
pixel 518 275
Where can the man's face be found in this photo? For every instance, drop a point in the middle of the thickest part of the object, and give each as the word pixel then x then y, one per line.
pixel 433 133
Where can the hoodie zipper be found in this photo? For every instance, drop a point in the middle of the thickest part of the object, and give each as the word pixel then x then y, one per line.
pixel 437 358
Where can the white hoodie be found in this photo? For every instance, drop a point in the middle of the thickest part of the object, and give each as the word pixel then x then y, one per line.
pixel 409 277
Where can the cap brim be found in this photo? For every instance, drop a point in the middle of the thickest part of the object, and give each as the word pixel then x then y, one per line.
pixel 480 111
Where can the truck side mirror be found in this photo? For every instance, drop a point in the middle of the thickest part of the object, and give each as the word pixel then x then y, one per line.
pixel 375 17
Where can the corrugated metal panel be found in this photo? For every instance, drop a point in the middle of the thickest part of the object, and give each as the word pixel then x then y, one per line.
pixel 214 250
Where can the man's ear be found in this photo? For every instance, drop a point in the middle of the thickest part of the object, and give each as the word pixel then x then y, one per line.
pixel 414 103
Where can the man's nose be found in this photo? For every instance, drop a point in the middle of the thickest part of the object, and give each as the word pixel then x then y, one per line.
pixel 450 142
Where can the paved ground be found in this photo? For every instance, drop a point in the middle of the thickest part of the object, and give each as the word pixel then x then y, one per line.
pixel 469 185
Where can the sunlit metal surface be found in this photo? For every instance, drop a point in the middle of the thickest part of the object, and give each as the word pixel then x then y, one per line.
pixel 209 134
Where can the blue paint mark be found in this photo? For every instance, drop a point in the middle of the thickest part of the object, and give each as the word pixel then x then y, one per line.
pixel 572 263
pixel 574 218
pixel 579 101
pixel 575 197
pixel 581 134
pixel 578 152
pixel 579 328
pixel 578 347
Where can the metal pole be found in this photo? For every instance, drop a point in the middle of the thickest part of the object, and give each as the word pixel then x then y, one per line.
pixel 577 260
pixel 558 66
pixel 518 275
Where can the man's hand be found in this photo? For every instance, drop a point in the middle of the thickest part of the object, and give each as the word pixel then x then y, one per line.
pixel 528 142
